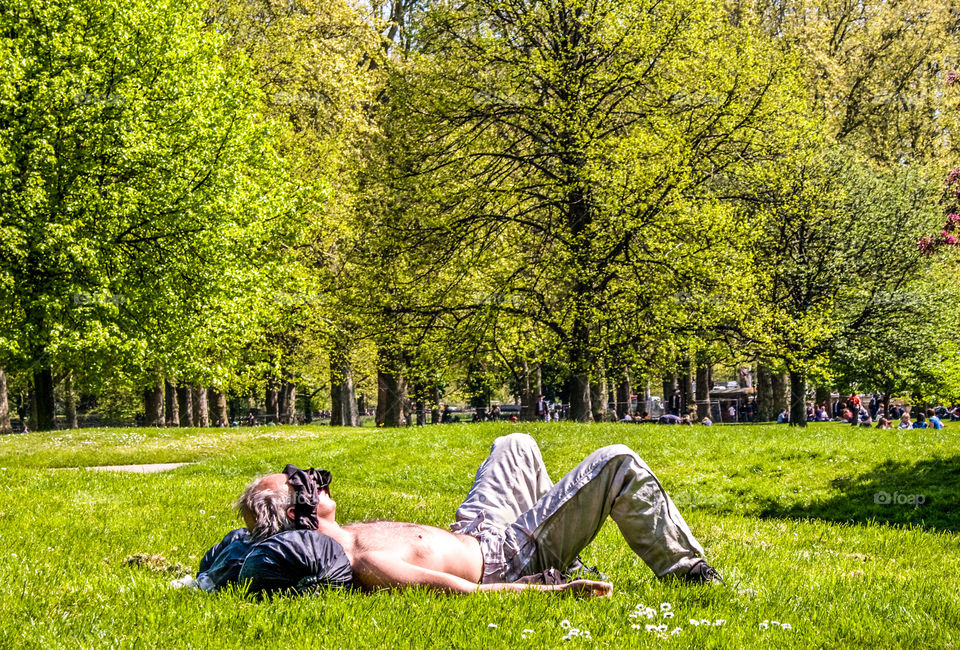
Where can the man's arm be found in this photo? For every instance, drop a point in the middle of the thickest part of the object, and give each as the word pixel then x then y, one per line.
pixel 385 571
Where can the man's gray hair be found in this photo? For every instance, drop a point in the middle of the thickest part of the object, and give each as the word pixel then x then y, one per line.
pixel 267 508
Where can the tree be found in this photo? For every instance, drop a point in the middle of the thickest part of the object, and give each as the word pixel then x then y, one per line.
pixel 570 139
pixel 835 261
pixel 130 154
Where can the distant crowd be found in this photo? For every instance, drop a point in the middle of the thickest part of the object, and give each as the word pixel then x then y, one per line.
pixel 849 409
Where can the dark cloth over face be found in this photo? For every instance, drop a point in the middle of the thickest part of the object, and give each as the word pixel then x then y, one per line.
pixel 306 485
pixel 297 560
pixel 221 564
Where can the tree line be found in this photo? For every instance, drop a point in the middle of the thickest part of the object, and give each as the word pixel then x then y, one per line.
pixel 303 200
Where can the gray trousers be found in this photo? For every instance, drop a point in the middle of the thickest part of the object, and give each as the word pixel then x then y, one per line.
pixel 526 524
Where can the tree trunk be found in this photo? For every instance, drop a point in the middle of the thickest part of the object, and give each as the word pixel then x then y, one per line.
pixel 624 391
pixel 171 407
pixel 391 396
pixel 824 397
pixel 798 399
pixel 5 426
pixel 686 386
pixel 766 405
pixel 70 401
pixel 218 405
pixel 669 385
pixel 343 399
pixel 201 417
pixel 532 390
pixel 361 404
pixel 272 399
pixel 435 414
pixel 421 412
pixel 185 406
pixel 704 384
pixel 44 407
pixel 288 402
pixel 580 407
pixel 781 392
pixel 153 404
pixel 598 395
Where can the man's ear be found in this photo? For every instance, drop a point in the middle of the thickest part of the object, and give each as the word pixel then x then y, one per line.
pixel 291 513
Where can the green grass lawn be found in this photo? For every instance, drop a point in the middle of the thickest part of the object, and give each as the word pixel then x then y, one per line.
pixel 794 520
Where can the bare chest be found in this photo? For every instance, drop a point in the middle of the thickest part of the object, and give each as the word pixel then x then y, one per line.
pixel 424 546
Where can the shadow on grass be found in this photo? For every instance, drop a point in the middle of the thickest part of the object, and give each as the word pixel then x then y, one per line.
pixel 924 493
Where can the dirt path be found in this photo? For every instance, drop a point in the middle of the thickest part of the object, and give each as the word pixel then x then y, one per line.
pixel 139 469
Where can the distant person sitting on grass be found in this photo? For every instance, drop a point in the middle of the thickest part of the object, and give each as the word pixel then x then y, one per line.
pixel 905 422
pixel 934 420
pixel 516 530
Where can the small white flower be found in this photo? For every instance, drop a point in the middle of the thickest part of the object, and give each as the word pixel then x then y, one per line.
pixel 634 614
pixel 662 627
pixel 694 621
pixel 492 626
pixel 764 625
pixel 528 631
pixel 640 606
pixel 705 621
pixel 719 622
pixel 635 626
pixel 774 623
pixel 786 626
pixel 203 512
pixel 676 631
pixel 665 607
pixel 651 612
pixel 567 637
pixel 565 624
pixel 668 614
pixel 574 631
pixel 653 628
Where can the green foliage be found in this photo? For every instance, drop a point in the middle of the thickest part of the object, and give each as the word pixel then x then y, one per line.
pixel 571 154
pixel 137 174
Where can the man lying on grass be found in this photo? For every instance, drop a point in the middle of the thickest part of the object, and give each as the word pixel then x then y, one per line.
pixel 514 531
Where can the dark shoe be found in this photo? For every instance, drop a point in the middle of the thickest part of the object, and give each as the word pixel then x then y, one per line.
pixel 579 571
pixel 702 574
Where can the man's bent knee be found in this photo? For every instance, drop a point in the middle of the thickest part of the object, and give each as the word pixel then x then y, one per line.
pixel 521 440
pixel 612 453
